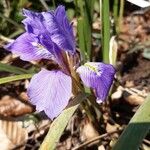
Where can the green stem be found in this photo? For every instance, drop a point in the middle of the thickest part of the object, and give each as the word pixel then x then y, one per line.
pixel 93 102
pixel 87 109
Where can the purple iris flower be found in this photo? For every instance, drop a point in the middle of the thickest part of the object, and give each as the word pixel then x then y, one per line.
pixel 49 35
pixel 46 33
pixel 98 76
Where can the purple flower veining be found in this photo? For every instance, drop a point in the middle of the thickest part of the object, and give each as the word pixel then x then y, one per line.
pixel 98 76
pixel 49 35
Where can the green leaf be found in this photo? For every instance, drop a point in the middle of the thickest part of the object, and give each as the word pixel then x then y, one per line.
pixel 115 14
pixel 70 13
pixel 15 78
pixel 60 123
pixel 13 69
pixel 137 129
pixel 88 17
pixel 87 34
pixel 104 11
pixel 89 6
pixel 84 27
pixel 80 29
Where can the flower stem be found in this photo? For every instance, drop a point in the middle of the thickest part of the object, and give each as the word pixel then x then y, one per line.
pixel 87 109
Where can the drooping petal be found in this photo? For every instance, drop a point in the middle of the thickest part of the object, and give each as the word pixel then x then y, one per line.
pixel 98 76
pixel 60 29
pixel 28 48
pixel 50 91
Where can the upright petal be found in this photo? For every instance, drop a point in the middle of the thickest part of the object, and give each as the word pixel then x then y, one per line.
pixel 51 25
pixel 60 29
pixel 34 22
pixel 28 48
pixel 50 91
pixel 98 76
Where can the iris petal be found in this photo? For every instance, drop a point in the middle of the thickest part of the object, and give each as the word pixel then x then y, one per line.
pixel 60 29
pixel 33 22
pixel 50 91
pixel 28 48
pixel 51 25
pixel 98 76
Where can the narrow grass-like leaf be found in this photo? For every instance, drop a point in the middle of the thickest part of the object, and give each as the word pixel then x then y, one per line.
pixel 59 124
pixel 104 10
pixel 87 34
pixel 137 129
pixel 15 78
pixel 13 69
pixel 121 12
pixel 89 9
pixel 85 24
pixel 115 15
pixel 80 29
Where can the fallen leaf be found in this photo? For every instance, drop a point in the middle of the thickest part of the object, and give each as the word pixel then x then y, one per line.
pixel 134 99
pixel 101 147
pixel 12 135
pixel 12 107
pixel 88 131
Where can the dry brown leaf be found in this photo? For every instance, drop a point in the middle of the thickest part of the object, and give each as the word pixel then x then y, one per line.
pixel 101 147
pixel 12 135
pixel 117 94
pixel 23 95
pixel 110 128
pixel 134 99
pixel 88 132
pixel 12 107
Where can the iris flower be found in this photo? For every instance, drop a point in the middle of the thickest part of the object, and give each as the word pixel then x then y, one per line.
pixel 49 35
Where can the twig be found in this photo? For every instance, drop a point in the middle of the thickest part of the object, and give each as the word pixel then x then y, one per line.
pixel 96 139
pixel 44 4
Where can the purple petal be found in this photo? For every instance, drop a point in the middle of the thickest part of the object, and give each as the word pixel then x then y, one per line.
pixel 98 76
pixel 33 22
pixel 50 91
pixel 51 25
pixel 28 48
pixel 60 29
